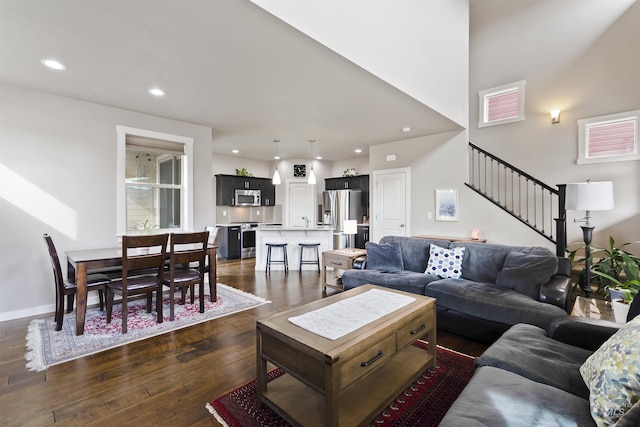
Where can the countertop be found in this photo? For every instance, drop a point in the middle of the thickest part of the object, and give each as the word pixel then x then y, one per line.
pixel 285 228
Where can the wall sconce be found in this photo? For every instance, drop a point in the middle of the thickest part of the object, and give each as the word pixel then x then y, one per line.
pixel 555 116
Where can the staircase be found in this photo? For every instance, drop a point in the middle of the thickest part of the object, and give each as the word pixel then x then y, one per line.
pixel 529 200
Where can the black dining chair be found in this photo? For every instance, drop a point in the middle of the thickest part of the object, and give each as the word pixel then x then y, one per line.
pixel 143 261
pixel 187 250
pixel 64 288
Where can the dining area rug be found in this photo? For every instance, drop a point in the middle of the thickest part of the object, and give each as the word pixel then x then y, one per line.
pixel 47 347
pixel 423 403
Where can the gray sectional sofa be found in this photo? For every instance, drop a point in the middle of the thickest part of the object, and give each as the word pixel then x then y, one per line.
pixel 499 286
pixel 531 378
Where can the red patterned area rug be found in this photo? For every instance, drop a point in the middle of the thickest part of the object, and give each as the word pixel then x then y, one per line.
pixel 423 403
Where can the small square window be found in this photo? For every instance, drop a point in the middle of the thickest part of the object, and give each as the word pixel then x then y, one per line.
pixel 503 104
pixel 609 138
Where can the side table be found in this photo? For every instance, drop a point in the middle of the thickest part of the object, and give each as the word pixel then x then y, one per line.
pixel 593 308
pixel 338 259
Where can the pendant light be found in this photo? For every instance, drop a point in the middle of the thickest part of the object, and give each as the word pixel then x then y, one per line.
pixel 276 174
pixel 312 176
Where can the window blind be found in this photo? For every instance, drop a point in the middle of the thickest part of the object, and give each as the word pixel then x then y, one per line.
pixel 611 139
pixel 502 106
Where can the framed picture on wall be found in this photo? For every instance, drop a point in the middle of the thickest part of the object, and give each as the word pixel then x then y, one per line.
pixel 447 204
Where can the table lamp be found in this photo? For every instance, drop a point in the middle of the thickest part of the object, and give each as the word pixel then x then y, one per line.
pixel 589 196
pixel 350 228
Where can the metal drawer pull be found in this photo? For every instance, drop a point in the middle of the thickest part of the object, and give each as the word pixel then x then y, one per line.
pixel 370 362
pixel 415 331
pixel 336 263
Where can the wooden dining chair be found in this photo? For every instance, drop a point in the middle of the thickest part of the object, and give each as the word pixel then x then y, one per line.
pixel 186 265
pixel 64 288
pixel 146 254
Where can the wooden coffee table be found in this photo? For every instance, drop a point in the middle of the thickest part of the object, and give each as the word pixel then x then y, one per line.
pixel 348 381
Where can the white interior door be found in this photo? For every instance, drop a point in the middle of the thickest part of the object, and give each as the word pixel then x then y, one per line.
pixel 390 203
pixel 301 212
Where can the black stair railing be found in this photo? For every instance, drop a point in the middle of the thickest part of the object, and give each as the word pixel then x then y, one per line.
pixel 529 200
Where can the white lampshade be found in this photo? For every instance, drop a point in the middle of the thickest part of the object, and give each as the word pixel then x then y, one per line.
pixel 276 178
pixel 312 178
pixel 590 196
pixel 350 226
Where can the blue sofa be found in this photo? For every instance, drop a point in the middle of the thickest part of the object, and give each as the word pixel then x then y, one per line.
pixel 499 286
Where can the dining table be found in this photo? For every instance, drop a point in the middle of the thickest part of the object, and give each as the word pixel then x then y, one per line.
pixel 85 261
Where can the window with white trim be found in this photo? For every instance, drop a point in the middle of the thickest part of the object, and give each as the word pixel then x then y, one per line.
pixel 154 180
pixel 502 104
pixel 610 138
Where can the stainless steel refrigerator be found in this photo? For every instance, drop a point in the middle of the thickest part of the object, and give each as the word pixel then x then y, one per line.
pixel 339 206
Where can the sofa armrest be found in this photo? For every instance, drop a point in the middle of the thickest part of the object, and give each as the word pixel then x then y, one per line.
pixel 360 263
pixel 583 331
pixel 558 291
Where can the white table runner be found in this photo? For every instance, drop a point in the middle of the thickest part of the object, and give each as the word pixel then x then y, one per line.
pixel 340 318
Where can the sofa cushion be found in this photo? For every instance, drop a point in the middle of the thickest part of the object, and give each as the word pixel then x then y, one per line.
pixel 526 273
pixel 384 257
pixel 527 350
pixel 483 261
pixel 490 302
pixel 612 374
pixel 496 398
pixel 445 263
pixel 407 281
pixel 415 251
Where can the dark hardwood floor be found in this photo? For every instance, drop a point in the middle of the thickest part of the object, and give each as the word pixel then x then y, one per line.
pixel 165 380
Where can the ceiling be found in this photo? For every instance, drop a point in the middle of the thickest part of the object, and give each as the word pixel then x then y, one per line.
pixel 227 65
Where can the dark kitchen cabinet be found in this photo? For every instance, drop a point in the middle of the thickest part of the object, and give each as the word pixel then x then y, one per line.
pixel 226 185
pixel 363 236
pixel 360 182
pixel 229 242
pixel 268 192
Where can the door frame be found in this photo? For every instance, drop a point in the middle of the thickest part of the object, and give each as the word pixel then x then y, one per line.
pixel 287 207
pixel 375 227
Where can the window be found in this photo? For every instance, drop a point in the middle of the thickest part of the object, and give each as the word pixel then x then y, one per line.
pixel 154 180
pixel 503 104
pixel 608 138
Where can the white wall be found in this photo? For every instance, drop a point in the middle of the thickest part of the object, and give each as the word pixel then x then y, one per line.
pixel 419 47
pixel 58 169
pixel 581 57
pixel 440 161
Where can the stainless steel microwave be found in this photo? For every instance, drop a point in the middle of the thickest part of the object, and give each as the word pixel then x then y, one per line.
pixel 246 198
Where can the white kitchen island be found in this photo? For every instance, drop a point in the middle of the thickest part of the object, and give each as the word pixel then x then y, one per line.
pixel 293 236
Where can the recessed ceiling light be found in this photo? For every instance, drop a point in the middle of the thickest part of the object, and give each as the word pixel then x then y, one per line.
pixel 276 157
pixel 319 158
pixel 235 151
pixel 53 64
pixel 406 129
pixel 358 150
pixel 156 92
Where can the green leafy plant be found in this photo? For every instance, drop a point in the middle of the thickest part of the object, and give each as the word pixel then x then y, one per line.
pixel 146 227
pixel 350 172
pixel 629 289
pixel 613 267
pixel 243 172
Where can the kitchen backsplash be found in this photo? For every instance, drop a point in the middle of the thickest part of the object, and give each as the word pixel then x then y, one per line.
pixel 266 214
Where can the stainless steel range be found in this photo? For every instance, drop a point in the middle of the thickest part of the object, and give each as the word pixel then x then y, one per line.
pixel 248 240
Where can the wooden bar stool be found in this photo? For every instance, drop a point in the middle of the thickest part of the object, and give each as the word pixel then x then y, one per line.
pixel 315 261
pixel 284 259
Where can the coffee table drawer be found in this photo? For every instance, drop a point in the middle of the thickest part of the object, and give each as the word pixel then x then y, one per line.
pixel 415 328
pixel 367 361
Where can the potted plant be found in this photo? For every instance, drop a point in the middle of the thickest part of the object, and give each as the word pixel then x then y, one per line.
pixel 243 172
pixel 146 227
pixel 612 262
pixel 621 294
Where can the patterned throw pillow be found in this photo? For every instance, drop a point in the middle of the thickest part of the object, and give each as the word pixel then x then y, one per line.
pixel 612 375
pixel 445 263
